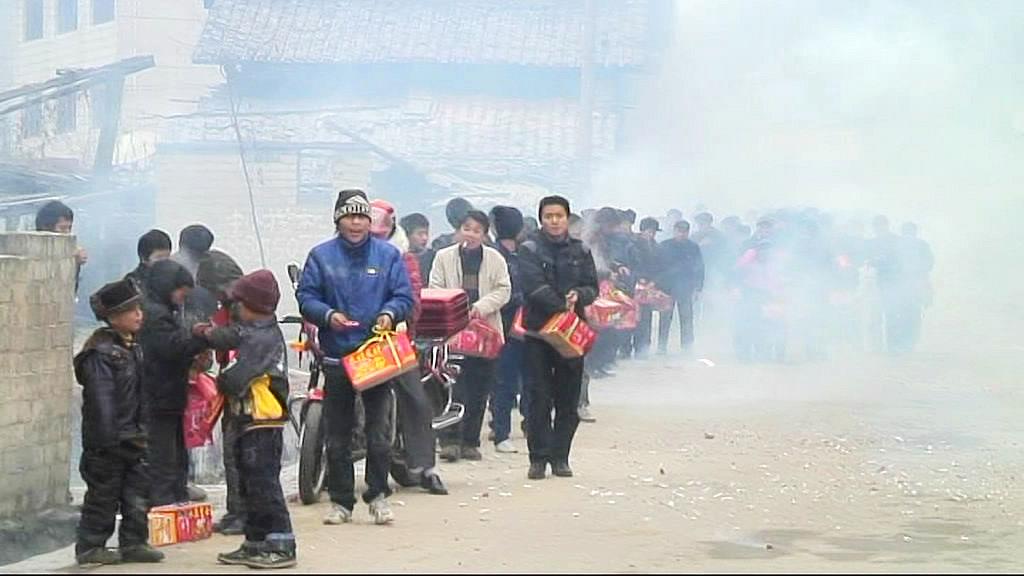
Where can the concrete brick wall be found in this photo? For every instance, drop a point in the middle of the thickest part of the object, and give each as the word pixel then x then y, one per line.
pixel 36 306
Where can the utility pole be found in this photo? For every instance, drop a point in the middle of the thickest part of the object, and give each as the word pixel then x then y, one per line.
pixel 585 118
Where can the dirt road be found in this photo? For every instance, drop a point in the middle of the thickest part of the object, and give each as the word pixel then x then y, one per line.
pixel 863 464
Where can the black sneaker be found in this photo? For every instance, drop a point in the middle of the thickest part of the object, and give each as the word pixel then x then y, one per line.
pixel 561 469
pixel 239 557
pixel 538 471
pixel 432 483
pixel 450 453
pixel 142 554
pixel 471 453
pixel 98 556
pixel 269 559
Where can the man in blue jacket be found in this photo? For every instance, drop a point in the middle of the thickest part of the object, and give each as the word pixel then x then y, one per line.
pixel 351 284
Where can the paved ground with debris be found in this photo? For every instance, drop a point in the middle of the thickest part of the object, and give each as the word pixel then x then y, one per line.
pixel 858 464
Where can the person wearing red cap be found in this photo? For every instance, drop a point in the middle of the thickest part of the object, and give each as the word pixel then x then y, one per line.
pixel 256 388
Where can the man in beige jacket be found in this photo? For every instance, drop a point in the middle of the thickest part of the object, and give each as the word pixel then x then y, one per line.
pixel 482 272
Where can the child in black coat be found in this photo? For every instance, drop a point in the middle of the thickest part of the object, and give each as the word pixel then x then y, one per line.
pixel 109 368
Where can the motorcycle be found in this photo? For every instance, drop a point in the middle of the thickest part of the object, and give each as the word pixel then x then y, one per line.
pixel 306 411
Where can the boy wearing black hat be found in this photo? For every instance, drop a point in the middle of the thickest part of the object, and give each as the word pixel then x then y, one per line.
pixel 256 387
pixel 109 369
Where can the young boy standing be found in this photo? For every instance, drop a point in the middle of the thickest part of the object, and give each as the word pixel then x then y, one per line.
pixel 256 387
pixel 109 368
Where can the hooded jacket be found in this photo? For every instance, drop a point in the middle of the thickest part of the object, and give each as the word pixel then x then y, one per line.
pixel 361 281
pixel 110 372
pixel 168 346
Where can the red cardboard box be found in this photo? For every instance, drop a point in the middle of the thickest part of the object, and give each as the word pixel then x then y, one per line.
pixel 177 523
pixel 649 295
pixel 479 340
pixel 568 334
pixel 604 312
pixel 443 313
pixel 381 358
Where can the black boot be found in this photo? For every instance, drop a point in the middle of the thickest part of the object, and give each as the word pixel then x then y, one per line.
pixel 230 525
pixel 432 482
pixel 241 556
pixel 561 469
pixel 538 471
pixel 99 555
pixel 275 553
pixel 143 554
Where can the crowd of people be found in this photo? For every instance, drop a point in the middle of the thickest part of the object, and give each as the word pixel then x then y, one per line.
pixel 796 275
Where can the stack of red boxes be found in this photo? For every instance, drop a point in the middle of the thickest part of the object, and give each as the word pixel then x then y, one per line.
pixel 176 523
pixel 443 313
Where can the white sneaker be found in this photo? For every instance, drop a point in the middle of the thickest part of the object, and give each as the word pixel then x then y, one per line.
pixel 380 510
pixel 505 447
pixel 338 514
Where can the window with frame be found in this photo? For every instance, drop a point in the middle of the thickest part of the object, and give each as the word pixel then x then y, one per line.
pixel 33 19
pixel 103 11
pixel 67 114
pixel 32 120
pixel 67 16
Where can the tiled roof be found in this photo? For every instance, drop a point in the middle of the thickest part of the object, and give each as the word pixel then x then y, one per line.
pixel 448 132
pixel 545 33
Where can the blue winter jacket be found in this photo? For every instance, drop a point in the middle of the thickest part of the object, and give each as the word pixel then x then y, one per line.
pixel 362 282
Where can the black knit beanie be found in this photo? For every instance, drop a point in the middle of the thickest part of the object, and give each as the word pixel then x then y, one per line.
pixel 508 222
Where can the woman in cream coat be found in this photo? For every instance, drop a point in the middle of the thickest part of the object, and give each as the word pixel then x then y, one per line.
pixel 482 272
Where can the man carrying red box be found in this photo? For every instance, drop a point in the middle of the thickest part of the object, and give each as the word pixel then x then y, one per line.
pixel 557 275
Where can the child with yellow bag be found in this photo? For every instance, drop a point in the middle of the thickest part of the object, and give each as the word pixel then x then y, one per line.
pixel 255 384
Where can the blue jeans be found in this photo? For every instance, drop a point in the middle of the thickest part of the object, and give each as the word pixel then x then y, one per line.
pixel 510 378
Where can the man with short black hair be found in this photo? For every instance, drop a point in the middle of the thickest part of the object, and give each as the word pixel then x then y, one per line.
pixel 153 247
pixel 558 275
pixel 56 217
pixel 683 277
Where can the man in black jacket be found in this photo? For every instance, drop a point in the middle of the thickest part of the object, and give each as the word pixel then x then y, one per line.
pixel 109 368
pixel 557 274
pixel 683 277
pixel 646 273
pixel 169 350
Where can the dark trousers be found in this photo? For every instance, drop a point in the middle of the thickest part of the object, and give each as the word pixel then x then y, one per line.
pixel 510 383
pixel 230 432
pixel 258 454
pixel 471 389
pixel 415 414
pixel 684 305
pixel 339 407
pixel 115 480
pixel 642 335
pixel 603 353
pixel 168 459
pixel 554 383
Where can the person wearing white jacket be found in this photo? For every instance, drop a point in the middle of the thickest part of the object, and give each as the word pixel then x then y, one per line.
pixel 482 272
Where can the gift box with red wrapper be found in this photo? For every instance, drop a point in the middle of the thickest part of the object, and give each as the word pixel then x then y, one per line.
pixel 649 295
pixel 568 334
pixel 382 357
pixel 630 314
pixel 479 340
pixel 185 522
pixel 203 408
pixel 604 312
pixel 443 313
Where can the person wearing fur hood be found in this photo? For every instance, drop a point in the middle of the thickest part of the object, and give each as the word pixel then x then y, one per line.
pixel 414 409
